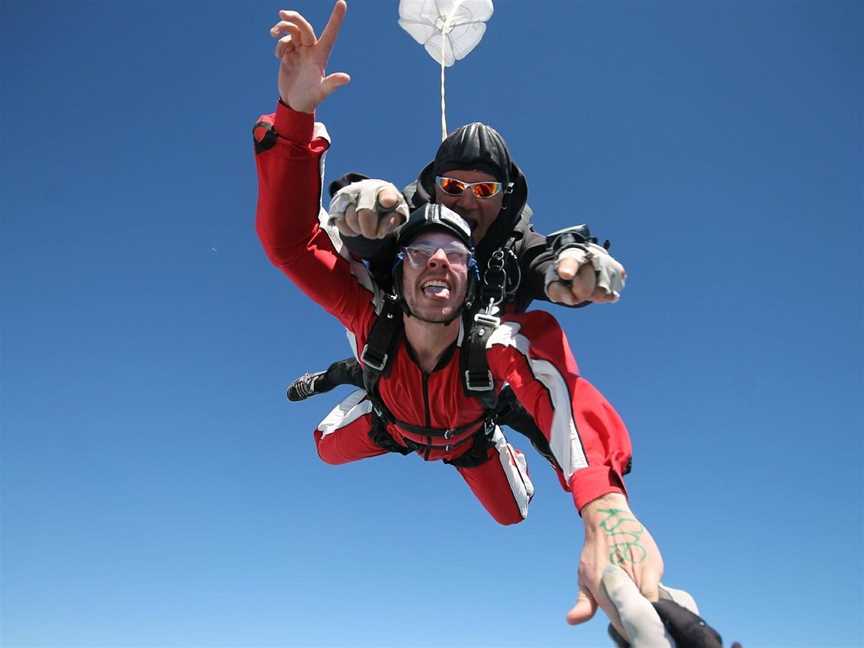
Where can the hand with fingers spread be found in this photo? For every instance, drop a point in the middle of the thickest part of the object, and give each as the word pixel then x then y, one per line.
pixel 368 208
pixel 303 59
pixel 584 272
pixel 613 535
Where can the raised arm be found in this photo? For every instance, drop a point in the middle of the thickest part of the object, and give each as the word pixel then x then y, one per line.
pixel 289 149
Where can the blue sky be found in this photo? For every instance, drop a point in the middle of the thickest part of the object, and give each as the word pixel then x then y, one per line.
pixel 157 489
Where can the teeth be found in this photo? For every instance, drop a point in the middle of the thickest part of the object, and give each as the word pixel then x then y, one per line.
pixel 436 288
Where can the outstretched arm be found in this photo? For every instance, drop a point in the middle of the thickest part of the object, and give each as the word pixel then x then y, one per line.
pixel 591 446
pixel 567 267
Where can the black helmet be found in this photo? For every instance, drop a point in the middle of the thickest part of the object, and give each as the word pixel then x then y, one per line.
pixel 475 146
pixel 432 216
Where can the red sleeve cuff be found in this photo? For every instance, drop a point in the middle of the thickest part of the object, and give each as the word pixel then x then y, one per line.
pixel 292 125
pixel 588 484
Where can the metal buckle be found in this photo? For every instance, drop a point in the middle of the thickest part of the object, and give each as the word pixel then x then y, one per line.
pixel 377 366
pixel 486 319
pixel 490 382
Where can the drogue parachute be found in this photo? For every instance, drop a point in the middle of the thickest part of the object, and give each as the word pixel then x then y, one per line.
pixel 448 29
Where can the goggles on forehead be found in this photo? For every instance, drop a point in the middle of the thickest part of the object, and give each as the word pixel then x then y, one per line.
pixel 454 187
pixel 418 254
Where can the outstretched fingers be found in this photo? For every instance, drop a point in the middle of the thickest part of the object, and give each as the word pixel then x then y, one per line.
pixel 334 24
pixel 333 81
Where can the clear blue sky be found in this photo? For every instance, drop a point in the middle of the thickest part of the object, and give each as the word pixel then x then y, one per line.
pixel 158 490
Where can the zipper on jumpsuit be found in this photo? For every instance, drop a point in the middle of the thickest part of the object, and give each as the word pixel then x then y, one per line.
pixel 428 419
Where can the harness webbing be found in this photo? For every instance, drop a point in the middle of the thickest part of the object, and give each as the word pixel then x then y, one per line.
pixel 477 379
pixel 377 357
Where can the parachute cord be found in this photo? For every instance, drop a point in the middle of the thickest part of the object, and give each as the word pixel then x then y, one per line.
pixel 446 28
pixel 443 105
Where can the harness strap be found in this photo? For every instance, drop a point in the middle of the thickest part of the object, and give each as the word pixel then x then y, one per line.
pixel 478 454
pixel 386 415
pixel 381 342
pixel 477 378
pixel 477 381
pixel 381 437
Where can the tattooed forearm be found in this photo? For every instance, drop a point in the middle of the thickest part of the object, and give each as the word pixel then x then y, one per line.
pixel 625 532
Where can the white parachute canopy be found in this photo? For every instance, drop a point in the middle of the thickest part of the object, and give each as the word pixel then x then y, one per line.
pixel 448 29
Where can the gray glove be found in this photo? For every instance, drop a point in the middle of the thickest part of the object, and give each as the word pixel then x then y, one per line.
pixel 357 209
pixel 605 286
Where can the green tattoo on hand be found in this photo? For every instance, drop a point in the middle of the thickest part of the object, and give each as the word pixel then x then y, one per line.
pixel 629 549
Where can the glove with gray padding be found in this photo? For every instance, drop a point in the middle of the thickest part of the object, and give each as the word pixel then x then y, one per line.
pixel 584 272
pixel 368 208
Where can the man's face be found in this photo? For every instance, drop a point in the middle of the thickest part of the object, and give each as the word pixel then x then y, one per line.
pixel 479 212
pixel 435 276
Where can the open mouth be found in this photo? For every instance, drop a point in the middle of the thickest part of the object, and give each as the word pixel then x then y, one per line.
pixel 436 289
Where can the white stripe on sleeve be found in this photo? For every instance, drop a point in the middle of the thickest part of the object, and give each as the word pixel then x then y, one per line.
pixel 564 442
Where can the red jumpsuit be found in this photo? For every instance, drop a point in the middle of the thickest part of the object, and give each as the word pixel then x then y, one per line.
pixel 528 351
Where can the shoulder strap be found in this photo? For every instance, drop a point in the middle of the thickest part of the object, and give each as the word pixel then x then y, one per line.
pixel 381 342
pixel 477 379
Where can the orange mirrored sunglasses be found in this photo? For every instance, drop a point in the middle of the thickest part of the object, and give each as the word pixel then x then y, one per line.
pixel 454 187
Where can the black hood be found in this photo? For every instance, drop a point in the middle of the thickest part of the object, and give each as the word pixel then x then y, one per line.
pixel 478 147
pixel 474 146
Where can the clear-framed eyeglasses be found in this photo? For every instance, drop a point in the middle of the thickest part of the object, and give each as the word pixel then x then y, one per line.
pixel 418 254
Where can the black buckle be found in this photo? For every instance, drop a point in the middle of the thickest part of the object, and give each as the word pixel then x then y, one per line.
pixel 373 363
pixel 470 385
